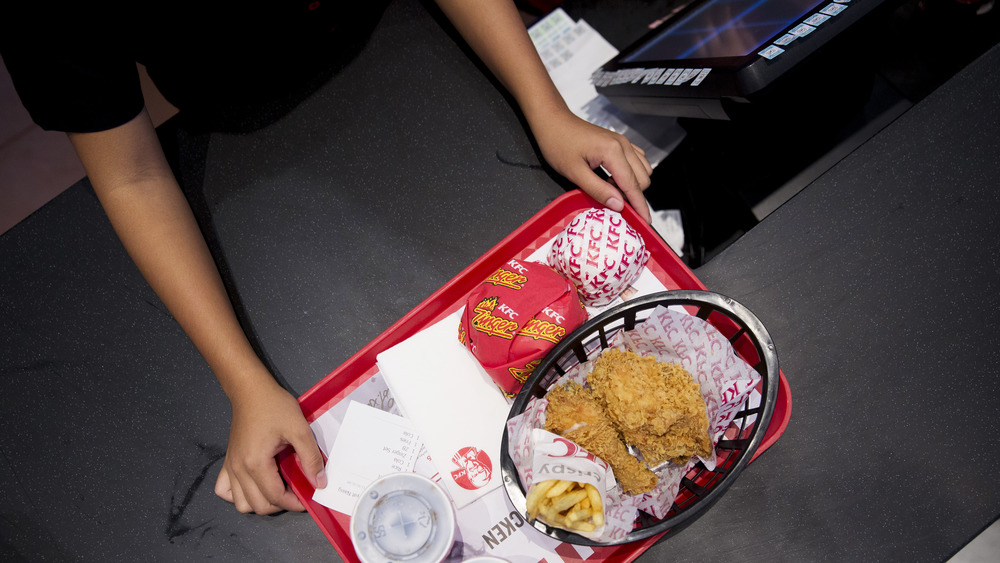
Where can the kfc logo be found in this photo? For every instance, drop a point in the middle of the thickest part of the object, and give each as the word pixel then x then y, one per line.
pixel 515 265
pixel 474 468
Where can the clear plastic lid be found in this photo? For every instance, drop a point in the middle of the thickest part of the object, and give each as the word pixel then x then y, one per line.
pixel 403 517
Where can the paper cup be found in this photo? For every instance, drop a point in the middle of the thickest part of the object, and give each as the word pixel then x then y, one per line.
pixel 403 517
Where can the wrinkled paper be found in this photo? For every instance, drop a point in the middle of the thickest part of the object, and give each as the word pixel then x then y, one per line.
pixel 671 336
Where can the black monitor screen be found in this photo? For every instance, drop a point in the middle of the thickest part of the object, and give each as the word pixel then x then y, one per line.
pixel 723 28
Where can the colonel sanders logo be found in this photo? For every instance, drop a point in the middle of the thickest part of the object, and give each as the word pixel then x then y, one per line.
pixel 474 468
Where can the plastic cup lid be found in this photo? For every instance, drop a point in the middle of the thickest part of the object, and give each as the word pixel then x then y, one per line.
pixel 403 517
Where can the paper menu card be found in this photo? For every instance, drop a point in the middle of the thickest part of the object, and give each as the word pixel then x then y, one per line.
pixel 453 403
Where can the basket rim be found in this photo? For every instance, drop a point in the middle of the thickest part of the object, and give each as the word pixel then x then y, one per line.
pixel 761 340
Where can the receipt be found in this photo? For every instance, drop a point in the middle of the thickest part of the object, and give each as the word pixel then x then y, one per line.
pixel 571 52
pixel 370 444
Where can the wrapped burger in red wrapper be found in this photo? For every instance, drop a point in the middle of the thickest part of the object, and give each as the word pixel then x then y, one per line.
pixel 515 317
pixel 600 253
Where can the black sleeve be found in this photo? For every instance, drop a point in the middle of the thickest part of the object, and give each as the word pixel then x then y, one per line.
pixel 67 83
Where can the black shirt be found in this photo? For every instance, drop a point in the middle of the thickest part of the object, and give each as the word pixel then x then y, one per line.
pixel 74 64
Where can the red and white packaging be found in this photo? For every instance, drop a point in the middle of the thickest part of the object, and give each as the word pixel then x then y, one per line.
pixel 726 382
pixel 600 254
pixel 540 455
pixel 515 317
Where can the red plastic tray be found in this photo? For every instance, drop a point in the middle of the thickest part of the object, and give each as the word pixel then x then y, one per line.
pixel 530 236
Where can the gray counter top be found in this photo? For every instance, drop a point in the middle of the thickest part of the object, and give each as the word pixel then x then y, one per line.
pixel 879 284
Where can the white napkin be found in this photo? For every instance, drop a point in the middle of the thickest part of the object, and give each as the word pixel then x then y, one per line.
pixel 455 406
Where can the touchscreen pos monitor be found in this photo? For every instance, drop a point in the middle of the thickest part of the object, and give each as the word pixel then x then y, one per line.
pixel 718 54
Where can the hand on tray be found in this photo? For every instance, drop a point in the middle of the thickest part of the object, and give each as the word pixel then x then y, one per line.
pixel 575 148
pixel 264 423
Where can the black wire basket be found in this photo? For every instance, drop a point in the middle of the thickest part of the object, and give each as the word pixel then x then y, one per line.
pixel 700 488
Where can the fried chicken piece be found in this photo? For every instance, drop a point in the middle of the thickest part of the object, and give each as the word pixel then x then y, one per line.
pixel 657 407
pixel 573 413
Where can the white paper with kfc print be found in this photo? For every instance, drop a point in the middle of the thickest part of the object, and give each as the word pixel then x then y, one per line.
pixel 491 527
pixel 726 381
pixel 600 253
pixel 558 458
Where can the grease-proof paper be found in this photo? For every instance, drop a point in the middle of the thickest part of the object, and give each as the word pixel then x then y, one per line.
pixel 726 382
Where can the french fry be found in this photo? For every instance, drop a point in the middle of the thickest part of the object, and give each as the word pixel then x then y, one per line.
pixel 566 504
pixel 543 488
pixel 552 516
pixel 559 488
pixel 536 495
pixel 594 496
pixel 578 514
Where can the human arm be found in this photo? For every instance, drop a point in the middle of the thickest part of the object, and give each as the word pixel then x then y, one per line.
pixel 572 146
pixel 144 203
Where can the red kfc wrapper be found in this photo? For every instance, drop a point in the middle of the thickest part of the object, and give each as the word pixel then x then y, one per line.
pixel 515 317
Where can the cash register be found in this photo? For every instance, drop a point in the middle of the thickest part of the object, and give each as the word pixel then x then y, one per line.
pixel 764 90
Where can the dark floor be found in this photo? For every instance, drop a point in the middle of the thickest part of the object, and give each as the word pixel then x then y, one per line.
pixel 37 165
